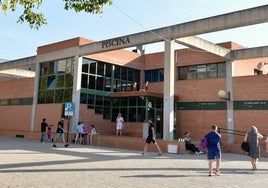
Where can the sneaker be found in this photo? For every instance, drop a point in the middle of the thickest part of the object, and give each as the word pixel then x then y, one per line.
pixel 201 152
pixel 210 173
pixel 159 153
pixel 66 145
pixel 197 153
pixel 54 145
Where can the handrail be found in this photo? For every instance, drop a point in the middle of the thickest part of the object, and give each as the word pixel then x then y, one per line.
pixel 231 131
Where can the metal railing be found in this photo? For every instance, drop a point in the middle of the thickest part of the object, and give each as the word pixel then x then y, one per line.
pixel 231 131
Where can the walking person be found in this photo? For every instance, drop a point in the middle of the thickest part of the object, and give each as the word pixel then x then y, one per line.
pixel 214 150
pixel 60 134
pixel 151 137
pixel 119 124
pixel 252 138
pixel 43 130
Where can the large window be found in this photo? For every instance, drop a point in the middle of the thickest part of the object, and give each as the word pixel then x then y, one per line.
pixel 156 75
pixel 202 71
pixel 56 81
pixel 98 79
pixel 97 75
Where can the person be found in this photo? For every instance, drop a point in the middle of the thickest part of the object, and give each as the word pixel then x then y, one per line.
pixel 80 133
pixel 119 124
pixel 189 145
pixel 43 130
pixel 151 137
pixel 49 133
pixel 60 134
pixel 214 150
pixel 85 133
pixel 92 132
pixel 252 138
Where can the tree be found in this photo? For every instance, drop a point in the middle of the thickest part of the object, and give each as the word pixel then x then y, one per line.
pixel 36 19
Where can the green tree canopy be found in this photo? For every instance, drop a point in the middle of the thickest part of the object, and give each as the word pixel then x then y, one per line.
pixel 37 19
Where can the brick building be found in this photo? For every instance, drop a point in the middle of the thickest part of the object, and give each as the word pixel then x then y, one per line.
pixel 182 90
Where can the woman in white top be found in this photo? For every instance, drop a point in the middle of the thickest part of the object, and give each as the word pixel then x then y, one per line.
pixel 119 124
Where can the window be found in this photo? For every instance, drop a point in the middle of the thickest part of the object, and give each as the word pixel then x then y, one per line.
pixel 98 78
pixel 202 71
pixel 192 72
pixel 183 71
pixel 156 75
pixel 222 70
pixel 212 71
pixel 56 81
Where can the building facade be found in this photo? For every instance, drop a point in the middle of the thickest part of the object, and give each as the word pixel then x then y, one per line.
pixel 133 84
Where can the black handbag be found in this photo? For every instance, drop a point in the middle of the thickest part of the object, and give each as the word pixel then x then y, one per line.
pixel 245 146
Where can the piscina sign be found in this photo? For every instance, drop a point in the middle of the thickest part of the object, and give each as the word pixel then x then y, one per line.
pixel 115 42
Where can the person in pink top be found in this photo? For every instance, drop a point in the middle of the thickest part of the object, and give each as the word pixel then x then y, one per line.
pixel 119 124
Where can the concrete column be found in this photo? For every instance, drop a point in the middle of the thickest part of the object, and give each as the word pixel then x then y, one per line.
pixel 168 91
pixel 35 94
pixel 230 104
pixel 76 91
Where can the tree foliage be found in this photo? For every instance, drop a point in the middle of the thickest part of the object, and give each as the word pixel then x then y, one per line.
pixel 37 19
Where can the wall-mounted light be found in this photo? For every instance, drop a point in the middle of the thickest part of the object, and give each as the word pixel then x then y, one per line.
pixel 224 96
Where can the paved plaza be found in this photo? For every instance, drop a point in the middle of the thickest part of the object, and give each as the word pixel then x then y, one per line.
pixel 28 163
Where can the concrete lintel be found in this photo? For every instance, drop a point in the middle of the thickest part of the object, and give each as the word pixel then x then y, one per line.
pixel 249 53
pixel 201 44
pixel 18 73
pixel 18 63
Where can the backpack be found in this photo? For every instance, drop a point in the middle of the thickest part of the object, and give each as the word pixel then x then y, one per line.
pixel 245 146
pixel 204 142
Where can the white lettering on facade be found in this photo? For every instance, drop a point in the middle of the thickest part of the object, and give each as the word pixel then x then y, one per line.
pixel 115 42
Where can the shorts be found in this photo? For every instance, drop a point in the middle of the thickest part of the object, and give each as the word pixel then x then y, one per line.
pixel 149 140
pixel 60 135
pixel 119 127
pixel 214 154
pixel 80 135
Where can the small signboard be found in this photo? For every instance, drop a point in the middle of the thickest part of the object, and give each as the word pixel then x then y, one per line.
pixel 68 109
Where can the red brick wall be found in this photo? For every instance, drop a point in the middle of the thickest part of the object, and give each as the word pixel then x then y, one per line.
pixel 62 45
pixel 19 88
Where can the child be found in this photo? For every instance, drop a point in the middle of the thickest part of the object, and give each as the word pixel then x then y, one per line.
pixel 49 134
pixel 92 132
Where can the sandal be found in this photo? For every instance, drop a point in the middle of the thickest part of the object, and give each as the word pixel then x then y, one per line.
pixel 210 173
pixel 217 173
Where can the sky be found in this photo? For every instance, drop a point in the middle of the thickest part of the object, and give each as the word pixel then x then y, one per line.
pixel 122 18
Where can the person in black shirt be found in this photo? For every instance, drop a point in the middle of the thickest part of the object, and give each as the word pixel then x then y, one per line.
pixel 151 137
pixel 60 134
pixel 43 130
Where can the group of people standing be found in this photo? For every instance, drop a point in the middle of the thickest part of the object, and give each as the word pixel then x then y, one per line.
pixel 46 132
pixel 82 133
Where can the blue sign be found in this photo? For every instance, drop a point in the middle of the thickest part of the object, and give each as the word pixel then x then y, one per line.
pixel 68 109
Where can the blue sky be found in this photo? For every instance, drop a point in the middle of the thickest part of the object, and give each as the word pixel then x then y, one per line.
pixel 123 18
